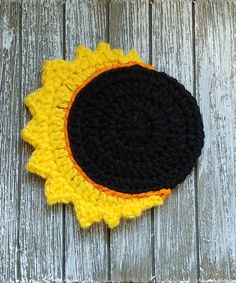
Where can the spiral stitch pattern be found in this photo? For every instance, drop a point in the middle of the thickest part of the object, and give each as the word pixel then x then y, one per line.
pixel 134 130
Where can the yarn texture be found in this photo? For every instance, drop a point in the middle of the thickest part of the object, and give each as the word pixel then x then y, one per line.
pixel 111 135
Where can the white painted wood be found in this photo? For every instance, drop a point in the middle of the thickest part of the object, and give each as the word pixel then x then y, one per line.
pixel 9 140
pixel 130 242
pixel 86 251
pixel 174 223
pixel 41 226
pixel 216 92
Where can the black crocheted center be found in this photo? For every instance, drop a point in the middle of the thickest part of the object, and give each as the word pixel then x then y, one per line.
pixel 135 130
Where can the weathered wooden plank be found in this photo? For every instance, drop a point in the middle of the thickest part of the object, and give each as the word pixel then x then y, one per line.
pixel 174 223
pixel 216 92
pixel 86 251
pixel 131 243
pixel 9 139
pixel 41 226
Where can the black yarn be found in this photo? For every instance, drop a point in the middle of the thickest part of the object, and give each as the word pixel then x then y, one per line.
pixel 135 130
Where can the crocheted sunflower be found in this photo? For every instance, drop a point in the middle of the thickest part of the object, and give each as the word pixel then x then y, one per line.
pixel 111 135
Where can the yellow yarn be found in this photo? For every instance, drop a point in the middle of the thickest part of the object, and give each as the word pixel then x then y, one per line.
pixel 45 132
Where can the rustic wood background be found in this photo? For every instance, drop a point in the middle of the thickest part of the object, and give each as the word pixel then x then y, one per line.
pixel 192 238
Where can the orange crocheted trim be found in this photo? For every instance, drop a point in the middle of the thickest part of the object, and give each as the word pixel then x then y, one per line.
pixel 163 193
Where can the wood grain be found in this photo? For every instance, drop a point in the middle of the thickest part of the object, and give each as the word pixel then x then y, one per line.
pixel 41 234
pixel 9 139
pixel 131 242
pixel 216 92
pixel 174 223
pixel 86 251
pixel 192 237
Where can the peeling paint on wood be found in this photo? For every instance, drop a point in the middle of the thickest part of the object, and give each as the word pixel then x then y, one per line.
pixel 174 223
pixel 41 234
pixel 216 92
pixel 9 140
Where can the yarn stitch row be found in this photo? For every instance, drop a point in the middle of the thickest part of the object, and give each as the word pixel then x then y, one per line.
pixel 135 130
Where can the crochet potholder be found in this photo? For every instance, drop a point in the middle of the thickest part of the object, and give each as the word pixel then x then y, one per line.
pixel 111 134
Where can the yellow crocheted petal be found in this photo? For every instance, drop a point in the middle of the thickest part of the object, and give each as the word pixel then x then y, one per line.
pixel 46 129
pixel 91 205
pixel 54 92
pixel 112 211
pixel 103 47
pixel 55 71
pixel 31 101
pixel 57 190
pixel 46 98
pixel 108 56
pixel 61 78
pixel 88 62
pixel 82 52
pixel 41 163
pixel 133 56
pixel 34 132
